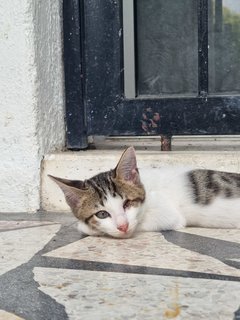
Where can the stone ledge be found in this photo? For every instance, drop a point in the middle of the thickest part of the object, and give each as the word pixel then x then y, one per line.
pixel 84 164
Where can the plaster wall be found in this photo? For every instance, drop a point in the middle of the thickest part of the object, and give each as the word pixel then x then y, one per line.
pixel 31 88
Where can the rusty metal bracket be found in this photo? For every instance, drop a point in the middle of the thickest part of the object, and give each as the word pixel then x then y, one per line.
pixel 166 143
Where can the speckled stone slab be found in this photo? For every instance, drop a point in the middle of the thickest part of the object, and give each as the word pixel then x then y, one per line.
pixel 8 316
pixel 18 246
pixel 13 225
pixel 54 274
pixel 92 295
pixel 220 234
pixel 149 249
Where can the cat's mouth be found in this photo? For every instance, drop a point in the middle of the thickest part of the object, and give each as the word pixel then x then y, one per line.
pixel 121 235
pixel 125 236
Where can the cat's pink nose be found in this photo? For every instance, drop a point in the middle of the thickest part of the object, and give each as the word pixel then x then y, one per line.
pixel 123 227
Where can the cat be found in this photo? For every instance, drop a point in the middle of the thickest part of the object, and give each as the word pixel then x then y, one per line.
pixel 122 201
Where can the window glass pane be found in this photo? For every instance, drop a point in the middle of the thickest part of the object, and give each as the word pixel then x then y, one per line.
pixel 167 47
pixel 224 46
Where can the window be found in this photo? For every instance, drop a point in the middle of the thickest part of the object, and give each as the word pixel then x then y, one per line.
pixel 151 67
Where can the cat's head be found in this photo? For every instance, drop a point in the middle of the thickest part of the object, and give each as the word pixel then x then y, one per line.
pixel 109 203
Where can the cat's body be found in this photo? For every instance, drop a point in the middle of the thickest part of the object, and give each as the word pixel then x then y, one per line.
pixel 122 201
pixel 185 200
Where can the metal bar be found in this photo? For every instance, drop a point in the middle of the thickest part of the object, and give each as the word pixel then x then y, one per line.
pixel 73 65
pixel 218 49
pixel 203 48
pixel 129 49
pixel 218 16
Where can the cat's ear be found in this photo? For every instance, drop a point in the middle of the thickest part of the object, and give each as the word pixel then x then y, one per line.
pixel 127 167
pixel 72 189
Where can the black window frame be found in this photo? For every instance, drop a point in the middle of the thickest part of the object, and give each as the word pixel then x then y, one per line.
pixel 94 74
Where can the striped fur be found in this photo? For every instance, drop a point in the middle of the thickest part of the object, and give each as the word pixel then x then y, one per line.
pixel 106 185
pixel 209 184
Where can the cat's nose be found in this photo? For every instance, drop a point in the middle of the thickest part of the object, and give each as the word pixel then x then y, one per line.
pixel 123 227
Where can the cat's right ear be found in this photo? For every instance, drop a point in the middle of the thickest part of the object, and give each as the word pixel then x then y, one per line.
pixel 73 189
pixel 127 167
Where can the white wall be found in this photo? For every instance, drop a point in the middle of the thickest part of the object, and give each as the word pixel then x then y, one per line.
pixel 31 97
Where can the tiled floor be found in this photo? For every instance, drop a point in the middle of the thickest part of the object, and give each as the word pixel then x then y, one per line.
pixel 48 272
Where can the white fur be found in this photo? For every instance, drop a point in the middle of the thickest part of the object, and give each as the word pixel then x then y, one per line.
pixel 85 229
pixel 169 203
pixel 119 216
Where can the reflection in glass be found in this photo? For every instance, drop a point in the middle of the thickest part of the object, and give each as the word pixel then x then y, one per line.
pixel 167 47
pixel 224 46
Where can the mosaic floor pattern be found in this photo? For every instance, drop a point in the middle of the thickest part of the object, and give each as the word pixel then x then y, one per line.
pixel 47 271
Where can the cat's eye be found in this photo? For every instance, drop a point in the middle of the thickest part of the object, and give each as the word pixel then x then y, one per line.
pixel 126 204
pixel 102 214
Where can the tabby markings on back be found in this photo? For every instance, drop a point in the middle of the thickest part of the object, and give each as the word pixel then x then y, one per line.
pixel 208 184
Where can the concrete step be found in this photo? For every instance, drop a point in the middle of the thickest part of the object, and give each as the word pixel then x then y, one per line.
pixel 84 164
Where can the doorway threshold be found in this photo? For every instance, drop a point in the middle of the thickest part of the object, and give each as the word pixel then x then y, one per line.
pixel 80 165
pixel 178 143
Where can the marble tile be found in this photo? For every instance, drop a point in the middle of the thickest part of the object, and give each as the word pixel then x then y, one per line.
pixel 98 295
pixel 8 316
pixel 148 249
pixel 18 246
pixel 232 235
pixel 237 260
pixel 13 225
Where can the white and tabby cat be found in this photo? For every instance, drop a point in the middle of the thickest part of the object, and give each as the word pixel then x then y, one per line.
pixel 120 201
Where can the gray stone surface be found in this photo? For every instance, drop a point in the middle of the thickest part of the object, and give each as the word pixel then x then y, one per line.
pixel 49 272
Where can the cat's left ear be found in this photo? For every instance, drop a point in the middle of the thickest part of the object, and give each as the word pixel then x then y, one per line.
pixel 73 190
pixel 127 167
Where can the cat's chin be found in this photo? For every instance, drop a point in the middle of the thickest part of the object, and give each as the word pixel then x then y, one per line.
pixel 122 235
pixel 115 233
